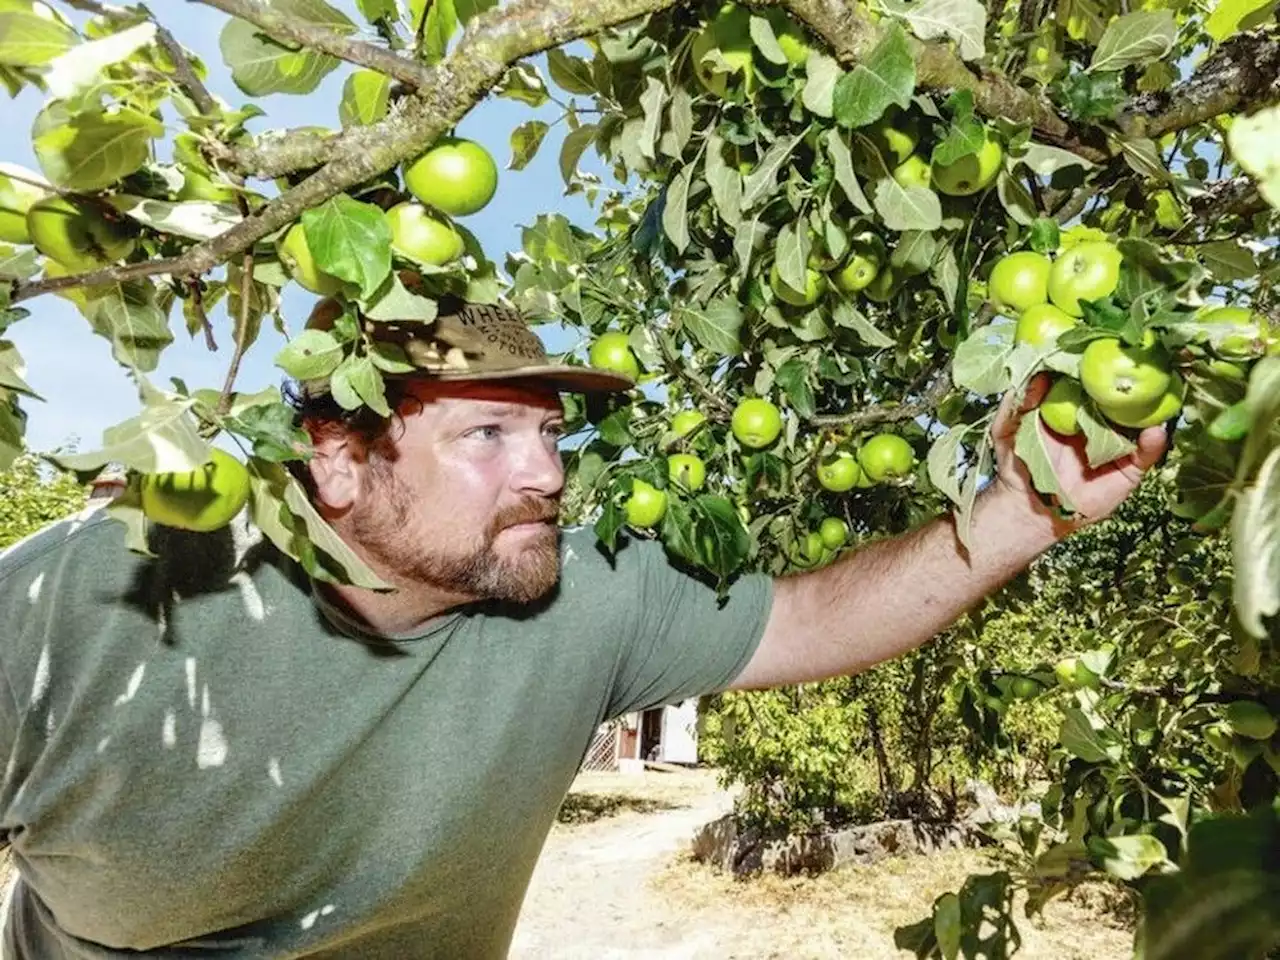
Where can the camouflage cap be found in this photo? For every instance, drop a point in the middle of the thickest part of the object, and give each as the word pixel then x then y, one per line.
pixel 475 341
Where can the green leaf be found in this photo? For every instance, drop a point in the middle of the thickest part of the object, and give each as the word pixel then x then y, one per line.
pixel 965 136
pixel 310 355
pixel 1135 38
pixel 90 151
pixel 1031 447
pixel 716 327
pixel 1228 261
pixel 524 83
pixel 1231 16
pixel 1016 198
pixel 766 41
pixel 1045 235
pixel 762 182
pixel 980 360
pixel 13 370
pixel 793 377
pixel 438 28
pixel 906 208
pixel 724 540
pixel 1255 544
pixel 18 263
pixel 1102 443
pixel 1078 736
pixel 571 74
pixel 128 316
pixel 791 253
pixel 33 36
pixel 1082 18
pixel 375 10
pixel 350 240
pixel 724 181
pixel 1045 160
pixel 282 510
pixel 1254 142
pixel 1129 858
pixel 161 439
pixel 842 162
pixel 964 21
pixel 886 77
pixel 822 73
pixel 977 474
pixel 361 377
pixel 610 522
pixel 1143 158
pixel 364 98
pixel 193 219
pixel 82 68
pixel 271 430
pixel 260 65
pixel 943 461
pixel 525 141
pixel 679 123
pixel 846 315
pixel 946 276
pixel 947 925
pixel 914 252
pixel 675 212
pixel 652 101
pixel 571 150
pixel 1090 96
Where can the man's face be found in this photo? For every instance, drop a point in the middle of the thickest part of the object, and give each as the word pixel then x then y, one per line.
pixel 465 496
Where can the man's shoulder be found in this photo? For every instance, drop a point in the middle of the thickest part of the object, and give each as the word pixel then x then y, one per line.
pixel 86 534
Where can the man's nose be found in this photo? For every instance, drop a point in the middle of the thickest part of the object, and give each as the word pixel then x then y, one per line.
pixel 540 470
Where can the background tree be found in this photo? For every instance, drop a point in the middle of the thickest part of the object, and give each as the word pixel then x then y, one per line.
pixel 832 235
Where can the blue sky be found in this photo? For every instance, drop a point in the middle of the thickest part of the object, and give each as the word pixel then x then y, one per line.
pixel 85 391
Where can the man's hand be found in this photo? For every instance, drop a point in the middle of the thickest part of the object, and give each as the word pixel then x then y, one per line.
pixel 892 595
pixel 1094 493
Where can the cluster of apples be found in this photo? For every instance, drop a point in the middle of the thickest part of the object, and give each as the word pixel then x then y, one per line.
pixel 883 458
pixel 454 178
pixel 1132 385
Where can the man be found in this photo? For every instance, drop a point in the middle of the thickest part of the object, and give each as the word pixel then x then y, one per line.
pixel 209 754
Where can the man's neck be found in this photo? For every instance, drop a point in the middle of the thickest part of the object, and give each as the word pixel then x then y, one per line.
pixel 396 612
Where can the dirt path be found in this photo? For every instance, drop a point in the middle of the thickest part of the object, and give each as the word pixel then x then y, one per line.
pixel 621 886
pixel 592 894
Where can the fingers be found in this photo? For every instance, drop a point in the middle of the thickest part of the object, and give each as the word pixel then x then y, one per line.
pixel 1011 410
pixel 1151 444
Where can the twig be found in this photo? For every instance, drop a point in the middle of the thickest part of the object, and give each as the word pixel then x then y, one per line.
pixel 241 332
pixel 870 416
pixel 279 26
pixel 197 303
pixel 679 369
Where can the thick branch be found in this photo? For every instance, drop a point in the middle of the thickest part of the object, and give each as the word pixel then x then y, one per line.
pixel 1242 73
pixel 494 41
pixel 293 31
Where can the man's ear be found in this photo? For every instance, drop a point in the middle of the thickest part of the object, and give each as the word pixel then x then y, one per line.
pixel 336 469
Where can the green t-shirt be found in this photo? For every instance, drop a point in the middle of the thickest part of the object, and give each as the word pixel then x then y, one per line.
pixel 205 759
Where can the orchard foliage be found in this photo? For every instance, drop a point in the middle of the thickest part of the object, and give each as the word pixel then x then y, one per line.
pixel 829 237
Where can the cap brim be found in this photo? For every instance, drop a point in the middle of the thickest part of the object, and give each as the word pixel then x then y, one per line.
pixel 564 378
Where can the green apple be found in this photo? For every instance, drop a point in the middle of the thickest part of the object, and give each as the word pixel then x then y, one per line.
pixel 1088 271
pixel 687 421
pixel 1060 408
pixel 687 470
pixel 858 272
pixel 77 236
pixel 790 36
pixel 839 472
pixel 756 422
pixel 971 173
pixel 730 34
pixel 1020 281
pixel 296 256
pixel 422 235
pixel 16 198
pixel 645 506
pixel 1126 382
pixel 612 351
pixel 815 282
pixel 913 172
pixel 455 176
pixel 1042 324
pixel 1236 346
pixel 834 533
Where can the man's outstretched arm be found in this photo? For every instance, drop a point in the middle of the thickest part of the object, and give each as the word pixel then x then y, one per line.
pixel 889 597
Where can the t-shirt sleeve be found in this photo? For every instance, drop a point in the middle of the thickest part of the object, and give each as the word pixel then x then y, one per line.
pixel 688 641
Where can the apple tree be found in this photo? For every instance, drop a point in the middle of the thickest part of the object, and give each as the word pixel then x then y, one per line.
pixel 830 235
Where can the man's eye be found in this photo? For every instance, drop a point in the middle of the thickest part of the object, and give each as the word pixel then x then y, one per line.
pixel 487 432
pixel 554 430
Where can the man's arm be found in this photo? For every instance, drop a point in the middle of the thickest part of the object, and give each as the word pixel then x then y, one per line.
pixel 890 597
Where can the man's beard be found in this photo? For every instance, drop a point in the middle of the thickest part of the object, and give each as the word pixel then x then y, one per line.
pixel 475 569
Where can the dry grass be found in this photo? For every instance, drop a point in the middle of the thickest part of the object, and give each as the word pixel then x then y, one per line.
pixel 853 912
pixel 595 796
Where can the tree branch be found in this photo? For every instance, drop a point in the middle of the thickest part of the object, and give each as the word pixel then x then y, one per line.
pixel 1242 73
pixel 870 416
pixel 296 32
